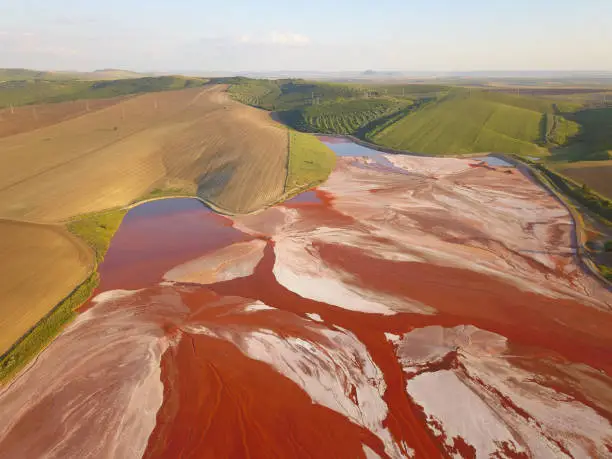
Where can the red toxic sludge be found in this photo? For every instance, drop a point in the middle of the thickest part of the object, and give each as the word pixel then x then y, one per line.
pixel 443 314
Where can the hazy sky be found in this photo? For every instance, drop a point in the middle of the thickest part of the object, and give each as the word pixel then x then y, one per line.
pixel 234 35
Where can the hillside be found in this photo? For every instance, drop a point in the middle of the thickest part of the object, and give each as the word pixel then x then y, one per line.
pixel 332 108
pixel 196 140
pixel 41 91
pixel 342 117
pixel 594 140
pixel 472 121
pixel 13 74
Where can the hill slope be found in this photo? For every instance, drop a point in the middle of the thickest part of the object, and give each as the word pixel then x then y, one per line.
pixel 41 91
pixel 465 122
pixel 12 74
pixel 331 108
pixel 197 140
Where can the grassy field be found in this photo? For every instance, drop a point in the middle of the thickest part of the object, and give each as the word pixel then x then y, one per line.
pixel 97 229
pixel 460 120
pixel 594 140
pixel 469 122
pixel 310 161
pixel 587 156
pixel 39 91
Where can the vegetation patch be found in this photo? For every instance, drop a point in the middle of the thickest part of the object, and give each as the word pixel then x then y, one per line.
pixel 97 229
pixel 606 271
pixel 310 161
pixel 165 192
pixel 557 130
pixel 593 141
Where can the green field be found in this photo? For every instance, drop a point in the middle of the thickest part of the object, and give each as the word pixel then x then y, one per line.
pixel 310 161
pixel 472 122
pixel 594 139
pixel 279 95
pixel 40 91
pixel 332 108
pixel 424 118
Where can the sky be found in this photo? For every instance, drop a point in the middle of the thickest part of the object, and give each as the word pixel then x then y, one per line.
pixel 314 35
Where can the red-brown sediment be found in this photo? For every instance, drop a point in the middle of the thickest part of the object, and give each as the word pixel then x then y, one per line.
pixel 368 325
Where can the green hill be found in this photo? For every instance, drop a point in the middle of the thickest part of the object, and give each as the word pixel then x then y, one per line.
pixel 473 121
pixel 103 74
pixel 26 74
pixel 332 108
pixel 342 117
pixel 37 91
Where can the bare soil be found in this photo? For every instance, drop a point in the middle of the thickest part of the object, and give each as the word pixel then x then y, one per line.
pixel 598 177
pixel 30 117
pixel 40 265
pixel 235 156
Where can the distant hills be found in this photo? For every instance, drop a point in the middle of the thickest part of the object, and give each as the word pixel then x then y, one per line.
pixel 17 74
pixel 42 87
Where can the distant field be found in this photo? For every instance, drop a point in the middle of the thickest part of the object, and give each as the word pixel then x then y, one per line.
pixel 104 74
pixel 37 91
pixel 466 122
pixel 597 175
pixel 594 141
pixel 278 95
pixel 441 119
